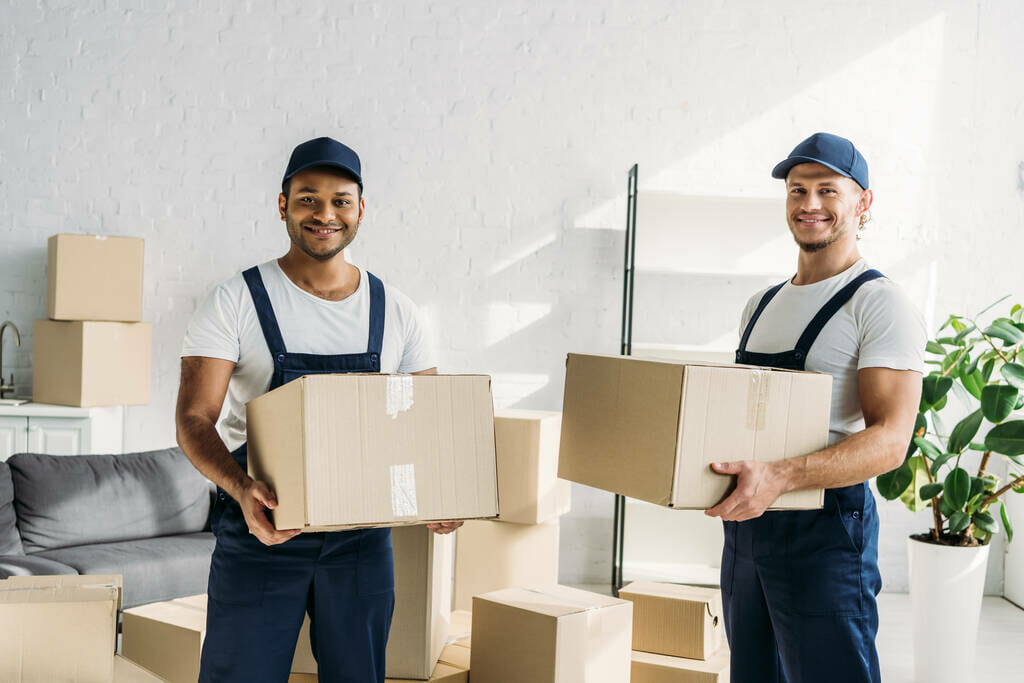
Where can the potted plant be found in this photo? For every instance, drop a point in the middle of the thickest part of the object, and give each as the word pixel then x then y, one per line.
pixel 982 368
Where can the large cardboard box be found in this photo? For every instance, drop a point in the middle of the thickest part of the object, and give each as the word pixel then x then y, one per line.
pixel 490 556
pixel 58 628
pixel 423 596
pixel 650 429
pixel 526 444
pixel 166 637
pixel 94 277
pixel 127 671
pixel 91 363
pixel 351 450
pixel 550 634
pixel 676 620
pixel 652 668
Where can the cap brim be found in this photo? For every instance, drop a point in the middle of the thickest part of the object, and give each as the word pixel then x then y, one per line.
pixel 333 164
pixel 783 168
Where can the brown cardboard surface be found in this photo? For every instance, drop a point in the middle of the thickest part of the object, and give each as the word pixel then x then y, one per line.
pixel 166 637
pixel 526 445
pixel 376 450
pixel 453 667
pixel 91 363
pixel 550 634
pixel 127 671
pixel 653 668
pixel 676 620
pixel 490 556
pixel 58 628
pixel 94 277
pixel 649 429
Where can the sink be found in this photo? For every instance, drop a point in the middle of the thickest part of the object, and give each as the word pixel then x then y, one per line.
pixel 13 401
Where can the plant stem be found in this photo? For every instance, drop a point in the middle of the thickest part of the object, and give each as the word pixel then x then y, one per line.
pixel 938 518
pixel 956 361
pixel 990 342
pixel 1012 485
pixel 984 463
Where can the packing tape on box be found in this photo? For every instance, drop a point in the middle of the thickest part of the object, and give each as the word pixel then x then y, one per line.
pixel 403 490
pixel 398 394
pixel 757 399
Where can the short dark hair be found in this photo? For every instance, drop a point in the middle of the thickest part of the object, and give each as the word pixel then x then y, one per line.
pixel 286 186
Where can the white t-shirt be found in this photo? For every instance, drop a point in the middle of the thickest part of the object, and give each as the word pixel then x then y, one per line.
pixel 226 326
pixel 877 328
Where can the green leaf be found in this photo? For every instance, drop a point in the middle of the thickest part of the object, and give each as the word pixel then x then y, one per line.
pixel 988 368
pixel 964 432
pixel 945 508
pixel 933 388
pixel 973 367
pixel 973 383
pixel 934 347
pixel 911 496
pixel 1005 330
pixel 976 446
pixel 997 402
pixel 948 341
pixel 1006 438
pixel 927 447
pixel 1006 523
pixel 940 461
pixel 920 428
pixel 984 521
pixel 892 484
pixel 958 339
pixel 958 521
pixel 929 491
pixel 957 487
pixel 977 487
pixel 1013 373
pixel 1016 311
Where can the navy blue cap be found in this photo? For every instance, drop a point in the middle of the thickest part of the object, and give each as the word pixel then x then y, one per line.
pixel 324 152
pixel 826 149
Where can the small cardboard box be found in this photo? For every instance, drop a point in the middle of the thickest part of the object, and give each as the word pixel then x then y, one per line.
pixel 550 634
pixel 94 277
pixel 490 556
pixel 650 429
pixel 526 444
pixel 127 671
pixel 652 668
pixel 360 450
pixel 452 667
pixel 676 620
pixel 166 637
pixel 423 597
pixel 58 628
pixel 91 364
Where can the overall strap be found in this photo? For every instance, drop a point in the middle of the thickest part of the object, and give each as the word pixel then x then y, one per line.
pixel 803 345
pixel 377 309
pixel 264 311
pixel 768 296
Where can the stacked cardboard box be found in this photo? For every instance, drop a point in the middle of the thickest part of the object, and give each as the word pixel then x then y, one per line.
pixel 521 546
pixel 677 634
pixel 93 350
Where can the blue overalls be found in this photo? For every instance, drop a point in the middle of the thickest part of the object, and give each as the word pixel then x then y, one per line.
pixel 799 587
pixel 259 595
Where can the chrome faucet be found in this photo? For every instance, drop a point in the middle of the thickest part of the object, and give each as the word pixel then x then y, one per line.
pixel 17 340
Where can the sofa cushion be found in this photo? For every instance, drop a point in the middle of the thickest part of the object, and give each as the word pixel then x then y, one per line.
pixel 73 500
pixel 153 568
pixel 30 565
pixel 10 540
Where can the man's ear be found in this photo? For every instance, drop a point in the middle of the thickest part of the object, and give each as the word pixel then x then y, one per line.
pixel 282 205
pixel 864 203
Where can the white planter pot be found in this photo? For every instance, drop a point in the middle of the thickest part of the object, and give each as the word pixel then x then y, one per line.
pixel 946 587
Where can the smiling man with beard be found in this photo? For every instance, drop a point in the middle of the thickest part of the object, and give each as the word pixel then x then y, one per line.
pixel 799 587
pixel 307 312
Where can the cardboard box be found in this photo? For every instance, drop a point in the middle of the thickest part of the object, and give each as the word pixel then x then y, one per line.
pixel 453 667
pixel 462 625
pixel 58 628
pixel 352 450
pixel 490 556
pixel 423 598
pixel 652 668
pixel 526 444
pixel 94 277
pixel 650 429
pixel 91 363
pixel 127 671
pixel 676 620
pixel 550 634
pixel 166 637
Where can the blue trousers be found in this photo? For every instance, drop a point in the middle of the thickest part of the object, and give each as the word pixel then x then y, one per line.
pixel 799 589
pixel 259 595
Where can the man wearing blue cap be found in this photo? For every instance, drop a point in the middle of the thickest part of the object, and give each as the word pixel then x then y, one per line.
pixel 309 311
pixel 799 587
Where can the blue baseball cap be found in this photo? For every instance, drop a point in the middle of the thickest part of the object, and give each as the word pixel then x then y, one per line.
pixel 829 150
pixel 324 152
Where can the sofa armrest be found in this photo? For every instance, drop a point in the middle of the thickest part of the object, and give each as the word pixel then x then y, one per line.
pixel 28 565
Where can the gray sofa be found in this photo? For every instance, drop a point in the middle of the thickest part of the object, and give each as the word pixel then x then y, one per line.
pixel 142 515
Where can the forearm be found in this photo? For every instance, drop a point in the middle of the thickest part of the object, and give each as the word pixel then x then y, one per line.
pixel 200 441
pixel 859 457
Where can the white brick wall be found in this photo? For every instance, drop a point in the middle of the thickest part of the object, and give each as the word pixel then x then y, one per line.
pixel 496 137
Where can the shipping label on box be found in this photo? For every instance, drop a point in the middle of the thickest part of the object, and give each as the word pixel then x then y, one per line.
pixel 550 634
pixel 676 620
pixel 650 429
pixel 359 450
pixel 94 277
pixel 526 443
pixel 653 668
pixel 59 628
pixel 490 556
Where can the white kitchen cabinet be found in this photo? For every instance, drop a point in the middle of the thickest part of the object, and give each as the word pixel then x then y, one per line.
pixel 60 430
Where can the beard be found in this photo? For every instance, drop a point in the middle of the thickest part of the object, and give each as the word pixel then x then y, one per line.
pixel 298 235
pixel 834 235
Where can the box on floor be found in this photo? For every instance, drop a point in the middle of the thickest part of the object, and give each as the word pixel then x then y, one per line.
pixel 676 620
pixel 59 628
pixel 550 634
pixel 653 668
pixel 423 447
pixel 452 667
pixel 650 429
pixel 127 671
pixel 526 446
pixel 94 277
pixel 490 556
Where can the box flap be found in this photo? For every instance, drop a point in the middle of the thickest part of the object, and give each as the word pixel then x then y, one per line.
pixel 553 601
